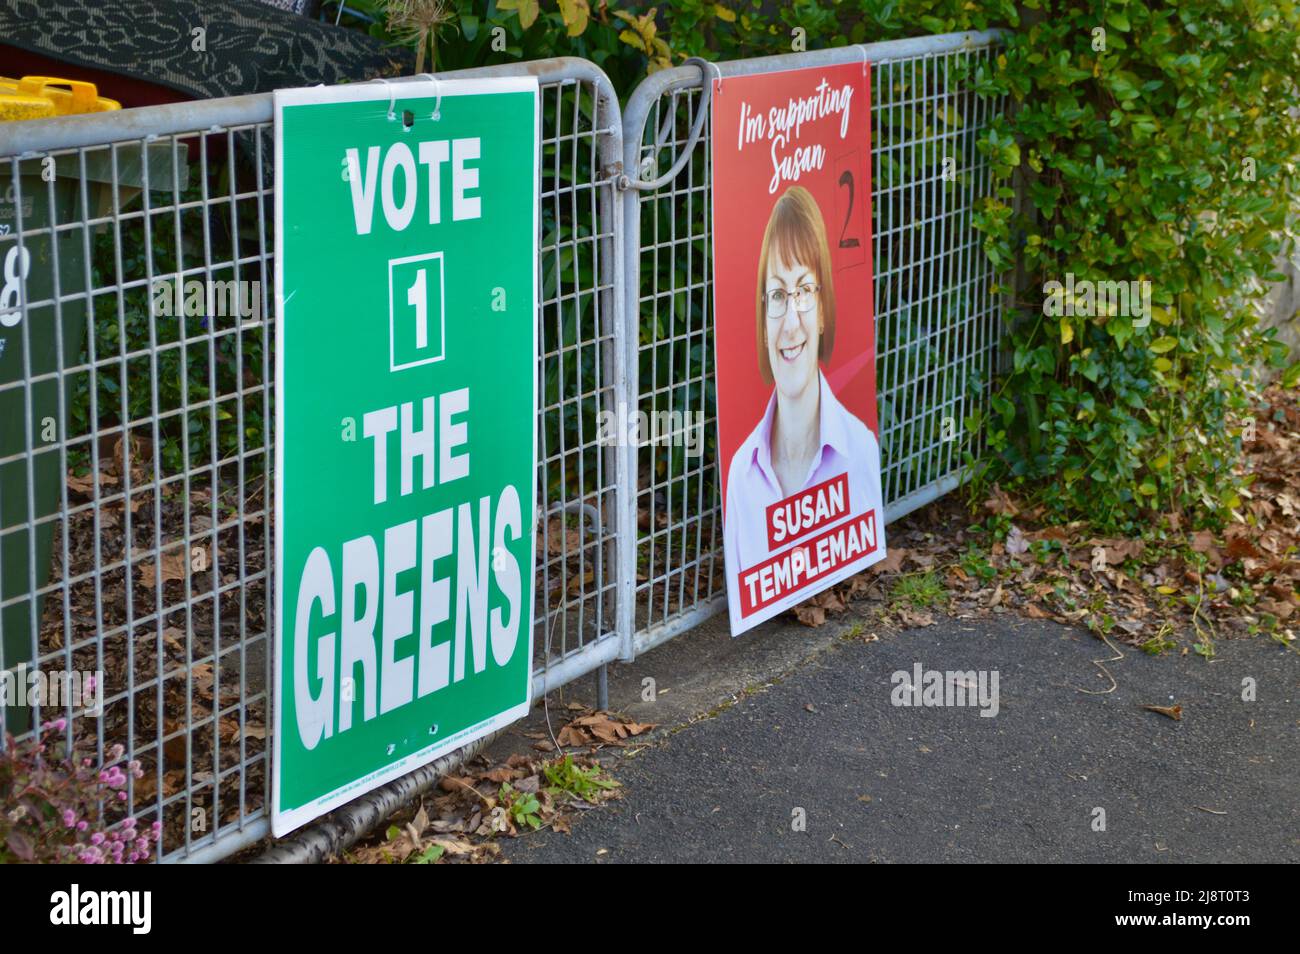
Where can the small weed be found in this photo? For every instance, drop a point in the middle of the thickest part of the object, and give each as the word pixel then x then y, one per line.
pixel 523 807
pixel 975 562
pixel 1158 644
pixel 564 775
pixel 428 856
pixel 920 590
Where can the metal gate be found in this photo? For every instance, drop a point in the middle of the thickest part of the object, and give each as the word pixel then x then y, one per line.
pixel 937 317
pixel 136 453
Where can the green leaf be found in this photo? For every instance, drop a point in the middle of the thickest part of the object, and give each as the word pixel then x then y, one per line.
pixel 429 855
pixel 528 10
pixel 1163 343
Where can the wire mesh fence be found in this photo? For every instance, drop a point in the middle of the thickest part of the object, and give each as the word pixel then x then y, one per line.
pixel 937 317
pixel 136 399
pixel 136 444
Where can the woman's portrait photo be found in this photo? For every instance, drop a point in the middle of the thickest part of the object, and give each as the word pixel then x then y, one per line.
pixel 809 462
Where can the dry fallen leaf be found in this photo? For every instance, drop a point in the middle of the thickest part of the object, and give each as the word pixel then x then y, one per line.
pixel 1000 503
pixel 810 615
pixel 915 617
pixel 1173 712
pixel 893 561
pixel 1279 609
pixel 201 674
pixel 175 566
pixel 252 730
pixel 600 728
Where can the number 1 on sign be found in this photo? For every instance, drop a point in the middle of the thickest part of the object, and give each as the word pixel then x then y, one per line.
pixel 415 293
pixel 418 296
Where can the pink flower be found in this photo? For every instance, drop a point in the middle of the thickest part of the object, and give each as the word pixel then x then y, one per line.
pixel 97 838
pixel 69 817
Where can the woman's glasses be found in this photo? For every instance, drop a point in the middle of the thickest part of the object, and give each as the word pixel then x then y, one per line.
pixel 778 299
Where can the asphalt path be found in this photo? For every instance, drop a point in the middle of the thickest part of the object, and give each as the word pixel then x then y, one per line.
pixel 820 764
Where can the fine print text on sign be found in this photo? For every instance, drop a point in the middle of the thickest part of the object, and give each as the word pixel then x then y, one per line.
pixel 794 335
pixel 405 405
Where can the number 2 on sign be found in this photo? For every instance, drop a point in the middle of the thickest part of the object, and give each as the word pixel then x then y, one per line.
pixel 418 296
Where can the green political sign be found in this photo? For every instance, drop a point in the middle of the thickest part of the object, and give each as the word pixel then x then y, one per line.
pixel 406 279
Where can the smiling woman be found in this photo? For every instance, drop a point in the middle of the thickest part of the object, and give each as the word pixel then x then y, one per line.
pixel 803 490
pixel 796 328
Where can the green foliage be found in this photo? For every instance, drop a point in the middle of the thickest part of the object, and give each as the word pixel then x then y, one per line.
pixel 975 562
pixel 1160 151
pixel 1158 644
pixel 429 856
pixel 1136 161
pixel 918 589
pixel 524 808
pixel 565 775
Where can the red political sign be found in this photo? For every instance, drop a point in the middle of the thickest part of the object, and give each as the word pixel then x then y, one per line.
pixel 794 335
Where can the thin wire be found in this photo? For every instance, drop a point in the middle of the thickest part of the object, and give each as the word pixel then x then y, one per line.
pixel 437 105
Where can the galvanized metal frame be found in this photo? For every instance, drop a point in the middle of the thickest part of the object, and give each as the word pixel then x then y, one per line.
pixel 590 596
pixel 580 570
pixel 665 115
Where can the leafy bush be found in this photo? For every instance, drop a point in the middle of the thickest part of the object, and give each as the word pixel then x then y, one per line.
pixel 1156 144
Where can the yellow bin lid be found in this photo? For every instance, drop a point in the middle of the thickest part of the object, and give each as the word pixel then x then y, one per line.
pixel 38 97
